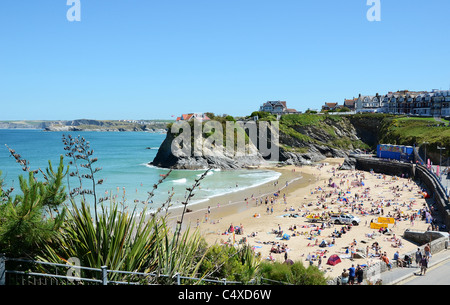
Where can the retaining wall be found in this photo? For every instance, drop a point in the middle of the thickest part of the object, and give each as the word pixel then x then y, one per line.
pixel 387 167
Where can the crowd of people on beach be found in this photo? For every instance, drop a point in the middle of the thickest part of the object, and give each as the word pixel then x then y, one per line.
pixel 344 192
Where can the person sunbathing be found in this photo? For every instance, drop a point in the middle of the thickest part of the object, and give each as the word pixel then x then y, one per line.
pixel 270 258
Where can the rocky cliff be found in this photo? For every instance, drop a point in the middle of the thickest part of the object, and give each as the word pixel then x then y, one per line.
pixel 211 157
pixel 303 139
pixel 310 138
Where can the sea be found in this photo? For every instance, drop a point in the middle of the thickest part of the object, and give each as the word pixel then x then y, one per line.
pixel 124 159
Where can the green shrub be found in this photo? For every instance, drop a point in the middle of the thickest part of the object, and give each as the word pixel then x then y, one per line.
pixel 227 262
pixel 295 274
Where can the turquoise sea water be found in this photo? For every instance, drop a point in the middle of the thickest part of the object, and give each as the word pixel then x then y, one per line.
pixel 124 158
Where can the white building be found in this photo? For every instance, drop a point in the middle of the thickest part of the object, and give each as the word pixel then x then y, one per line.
pixel 276 107
pixel 368 103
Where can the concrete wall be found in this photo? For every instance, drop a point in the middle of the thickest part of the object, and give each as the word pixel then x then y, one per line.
pixel 438 240
pixel 387 167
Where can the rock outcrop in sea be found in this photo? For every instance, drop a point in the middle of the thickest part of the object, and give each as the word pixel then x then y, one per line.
pixel 216 158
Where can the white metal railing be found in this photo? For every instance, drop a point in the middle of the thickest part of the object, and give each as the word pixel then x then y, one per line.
pixel 135 278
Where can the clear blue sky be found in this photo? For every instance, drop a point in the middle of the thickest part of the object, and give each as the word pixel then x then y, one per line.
pixel 145 59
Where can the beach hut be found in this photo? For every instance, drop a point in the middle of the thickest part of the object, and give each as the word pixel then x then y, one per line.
pixel 333 260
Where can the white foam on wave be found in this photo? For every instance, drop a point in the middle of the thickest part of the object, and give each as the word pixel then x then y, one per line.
pixel 153 166
pixel 208 193
pixel 256 177
pixel 208 174
pixel 182 180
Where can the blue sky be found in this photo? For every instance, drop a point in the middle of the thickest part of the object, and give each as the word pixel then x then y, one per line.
pixel 145 59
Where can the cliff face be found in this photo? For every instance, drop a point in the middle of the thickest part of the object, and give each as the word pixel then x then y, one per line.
pixel 307 139
pixel 211 157
pixel 368 126
pixel 303 139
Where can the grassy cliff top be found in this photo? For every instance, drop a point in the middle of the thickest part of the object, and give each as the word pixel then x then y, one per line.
pixel 416 131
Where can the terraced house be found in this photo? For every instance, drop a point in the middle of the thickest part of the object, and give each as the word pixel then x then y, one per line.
pixel 422 103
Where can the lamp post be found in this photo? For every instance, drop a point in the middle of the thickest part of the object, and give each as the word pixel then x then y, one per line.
pixel 425 160
pixel 440 159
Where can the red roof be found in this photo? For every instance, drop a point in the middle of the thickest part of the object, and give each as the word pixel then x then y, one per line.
pixel 187 117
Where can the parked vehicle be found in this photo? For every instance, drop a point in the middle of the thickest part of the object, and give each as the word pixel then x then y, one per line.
pixel 345 219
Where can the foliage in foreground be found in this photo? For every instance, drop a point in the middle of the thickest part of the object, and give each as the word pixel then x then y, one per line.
pixel 123 241
pixel 296 274
pixel 238 264
pixel 30 219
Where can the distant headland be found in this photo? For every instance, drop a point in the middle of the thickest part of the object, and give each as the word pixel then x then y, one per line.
pixel 89 125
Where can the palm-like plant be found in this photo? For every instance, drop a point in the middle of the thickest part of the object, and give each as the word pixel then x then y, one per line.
pixel 175 257
pixel 119 240
pixel 126 242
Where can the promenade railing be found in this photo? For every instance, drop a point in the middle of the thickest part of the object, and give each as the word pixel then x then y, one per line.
pixel 34 272
pixel 436 178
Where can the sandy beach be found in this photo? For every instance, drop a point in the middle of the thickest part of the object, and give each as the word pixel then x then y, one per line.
pixel 304 191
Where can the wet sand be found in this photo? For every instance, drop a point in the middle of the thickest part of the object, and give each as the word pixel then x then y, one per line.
pixel 234 203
